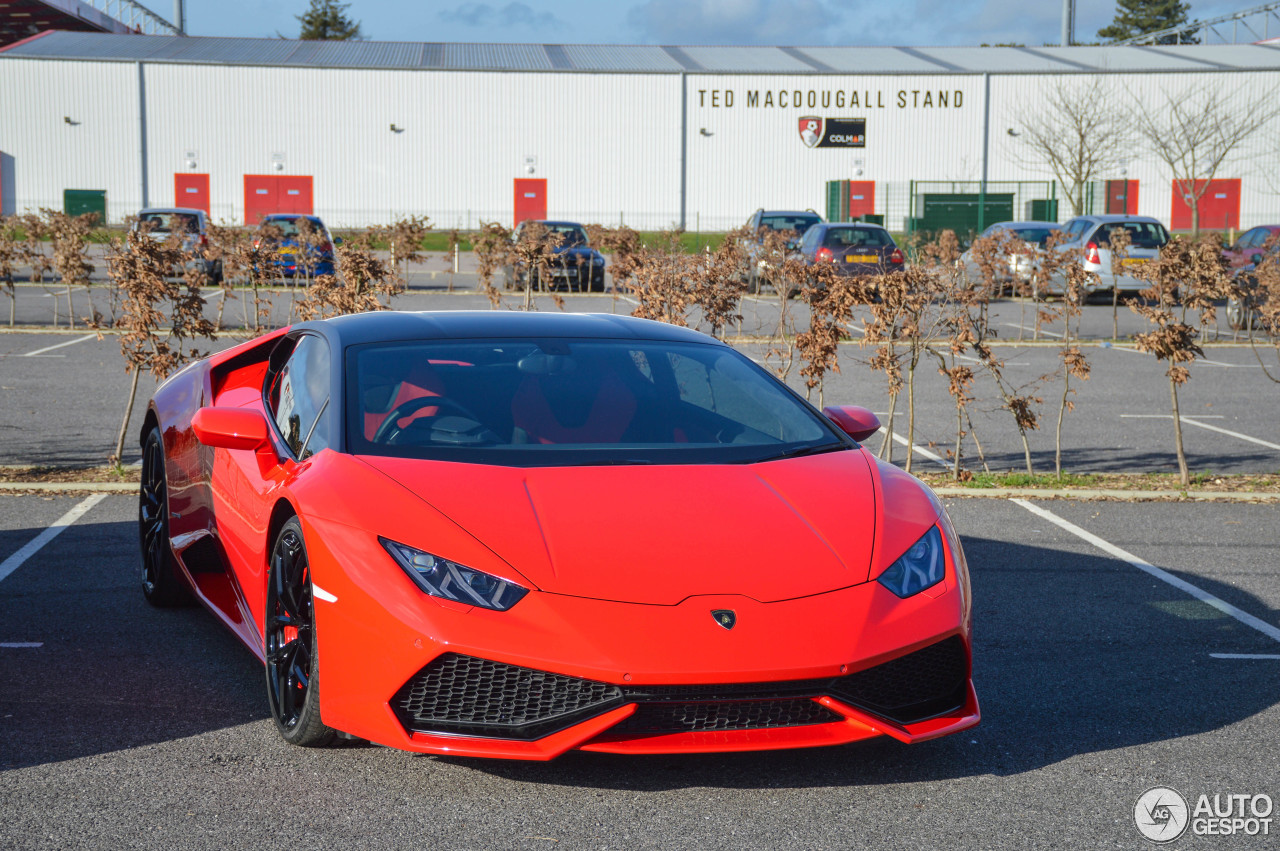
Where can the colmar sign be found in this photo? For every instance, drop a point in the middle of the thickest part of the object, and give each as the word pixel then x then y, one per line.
pixel 818 132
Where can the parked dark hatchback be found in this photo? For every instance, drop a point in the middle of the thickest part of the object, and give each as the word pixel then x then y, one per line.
pixel 854 248
pixel 577 265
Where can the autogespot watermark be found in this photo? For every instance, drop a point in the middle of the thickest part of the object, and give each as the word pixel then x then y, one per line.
pixel 1162 814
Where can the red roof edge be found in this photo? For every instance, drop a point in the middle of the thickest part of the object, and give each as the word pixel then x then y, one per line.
pixel 27 40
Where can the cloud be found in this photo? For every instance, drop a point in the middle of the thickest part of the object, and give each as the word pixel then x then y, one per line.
pixel 511 15
pixel 735 21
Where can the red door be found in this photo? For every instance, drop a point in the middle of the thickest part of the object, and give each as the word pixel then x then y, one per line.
pixel 276 193
pixel 1219 205
pixel 191 190
pixel 531 199
pixel 295 194
pixel 862 198
pixel 1122 197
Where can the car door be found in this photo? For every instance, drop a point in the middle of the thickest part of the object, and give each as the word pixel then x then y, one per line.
pixel 247 483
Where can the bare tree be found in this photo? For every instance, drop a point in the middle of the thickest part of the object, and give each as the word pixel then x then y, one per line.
pixel 1077 132
pixel 1197 130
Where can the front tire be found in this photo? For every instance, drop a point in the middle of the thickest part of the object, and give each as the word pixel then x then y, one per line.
pixel 161 585
pixel 293 665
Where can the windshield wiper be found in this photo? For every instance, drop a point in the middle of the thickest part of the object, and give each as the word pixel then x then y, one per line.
pixel 807 450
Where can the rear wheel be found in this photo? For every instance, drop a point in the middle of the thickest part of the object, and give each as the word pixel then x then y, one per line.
pixel 293 666
pixel 161 585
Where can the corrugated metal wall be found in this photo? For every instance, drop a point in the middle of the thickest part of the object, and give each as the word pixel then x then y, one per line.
pixel 746 152
pixel 461 139
pixel 98 148
pixel 609 145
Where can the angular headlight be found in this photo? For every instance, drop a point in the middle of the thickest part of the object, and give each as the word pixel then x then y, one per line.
pixel 922 566
pixel 449 580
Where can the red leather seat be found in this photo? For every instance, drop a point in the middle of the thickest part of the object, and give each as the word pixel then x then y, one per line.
pixel 573 408
pixel 420 380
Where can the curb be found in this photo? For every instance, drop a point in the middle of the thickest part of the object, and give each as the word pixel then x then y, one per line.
pixel 1099 494
pixel 1083 495
pixel 71 487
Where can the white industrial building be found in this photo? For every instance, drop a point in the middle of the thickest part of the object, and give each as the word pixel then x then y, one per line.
pixel 363 132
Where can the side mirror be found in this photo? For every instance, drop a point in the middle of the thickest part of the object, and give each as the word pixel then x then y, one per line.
pixel 1256 259
pixel 230 428
pixel 337 241
pixel 855 421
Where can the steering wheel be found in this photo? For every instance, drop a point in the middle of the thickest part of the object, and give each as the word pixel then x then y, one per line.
pixel 390 428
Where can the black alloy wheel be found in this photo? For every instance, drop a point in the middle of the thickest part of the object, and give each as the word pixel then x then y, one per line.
pixel 293 666
pixel 161 585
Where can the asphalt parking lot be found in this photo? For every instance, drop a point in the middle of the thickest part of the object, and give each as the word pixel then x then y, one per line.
pixel 1146 655
pixel 123 726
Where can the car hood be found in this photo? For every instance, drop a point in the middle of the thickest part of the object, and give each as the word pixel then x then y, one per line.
pixel 660 534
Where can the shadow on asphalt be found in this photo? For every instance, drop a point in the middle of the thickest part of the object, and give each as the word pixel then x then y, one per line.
pixel 1074 654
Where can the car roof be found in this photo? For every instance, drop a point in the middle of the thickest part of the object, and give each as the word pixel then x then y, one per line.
pixel 788 213
pixel 290 216
pixel 864 225
pixel 1116 218
pixel 394 325
pixel 554 222
pixel 188 210
pixel 1026 225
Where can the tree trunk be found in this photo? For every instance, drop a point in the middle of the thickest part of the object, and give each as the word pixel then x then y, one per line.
pixel 1183 473
pixel 71 313
pixel 1115 312
pixel 128 412
pixel 886 448
pixel 1057 437
pixel 1026 451
pixel 911 415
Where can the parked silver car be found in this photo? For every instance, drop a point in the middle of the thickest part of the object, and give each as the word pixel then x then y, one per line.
pixel 159 223
pixel 1090 238
pixel 1020 244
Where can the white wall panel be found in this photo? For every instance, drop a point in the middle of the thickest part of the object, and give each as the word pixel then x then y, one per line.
pixel 98 151
pixel 604 143
pixel 917 127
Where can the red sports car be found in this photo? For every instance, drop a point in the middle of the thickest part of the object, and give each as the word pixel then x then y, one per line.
pixel 517 534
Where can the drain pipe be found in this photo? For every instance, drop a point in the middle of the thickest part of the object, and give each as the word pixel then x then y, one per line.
pixel 179 16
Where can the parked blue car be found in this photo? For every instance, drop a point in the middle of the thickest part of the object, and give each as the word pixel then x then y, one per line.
pixel 292 259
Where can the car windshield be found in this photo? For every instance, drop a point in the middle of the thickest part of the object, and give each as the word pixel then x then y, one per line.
pixel 169 222
pixel 289 227
pixel 573 234
pixel 565 402
pixel 798 223
pixel 857 238
pixel 1141 234
pixel 1034 236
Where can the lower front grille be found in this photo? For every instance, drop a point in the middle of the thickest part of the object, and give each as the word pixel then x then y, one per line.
pixel 725 715
pixel 924 684
pixel 478 697
pixel 464 695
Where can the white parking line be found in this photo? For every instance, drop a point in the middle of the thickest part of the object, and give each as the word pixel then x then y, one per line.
pixel 33 546
pixel 1190 421
pixel 1208 362
pixel 1245 655
pixel 1032 330
pixel 1163 575
pixel 60 345
pixel 920 450
pixel 21 645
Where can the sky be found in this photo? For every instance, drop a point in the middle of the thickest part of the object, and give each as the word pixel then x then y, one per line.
pixel 920 23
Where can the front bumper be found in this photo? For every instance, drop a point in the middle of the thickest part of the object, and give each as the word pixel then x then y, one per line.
pixel 558 673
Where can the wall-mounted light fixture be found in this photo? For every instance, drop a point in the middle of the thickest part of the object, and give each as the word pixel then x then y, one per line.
pixel 67 119
pixel 705 132
pixel 1012 132
pixel 395 129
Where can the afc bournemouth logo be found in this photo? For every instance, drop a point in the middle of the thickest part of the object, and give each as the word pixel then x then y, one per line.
pixel 816 132
pixel 810 130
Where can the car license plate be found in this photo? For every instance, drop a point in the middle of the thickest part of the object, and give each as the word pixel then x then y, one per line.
pixel 860 258
pixel 1133 261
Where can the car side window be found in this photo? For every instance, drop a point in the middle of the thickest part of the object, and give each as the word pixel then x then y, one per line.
pixel 298 398
pixel 1252 239
pixel 810 241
